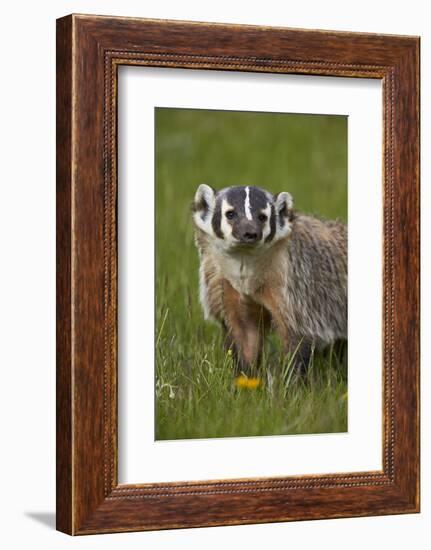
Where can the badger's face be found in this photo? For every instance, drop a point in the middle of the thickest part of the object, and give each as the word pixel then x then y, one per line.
pixel 242 217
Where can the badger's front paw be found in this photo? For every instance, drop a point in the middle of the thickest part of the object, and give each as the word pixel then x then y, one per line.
pixel 300 358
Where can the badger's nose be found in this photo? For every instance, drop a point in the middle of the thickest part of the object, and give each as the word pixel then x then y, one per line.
pixel 249 237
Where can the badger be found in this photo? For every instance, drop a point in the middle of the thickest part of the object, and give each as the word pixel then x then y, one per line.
pixel 264 266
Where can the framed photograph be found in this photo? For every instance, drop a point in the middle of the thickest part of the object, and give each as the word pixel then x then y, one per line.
pixel 237 274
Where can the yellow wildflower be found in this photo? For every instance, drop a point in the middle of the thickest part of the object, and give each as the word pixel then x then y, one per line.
pixel 246 382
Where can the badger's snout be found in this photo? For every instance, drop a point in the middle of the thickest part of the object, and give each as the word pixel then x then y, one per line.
pixel 249 237
pixel 248 233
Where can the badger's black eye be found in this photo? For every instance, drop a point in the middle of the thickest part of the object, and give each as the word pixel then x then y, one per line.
pixel 230 214
pixel 262 217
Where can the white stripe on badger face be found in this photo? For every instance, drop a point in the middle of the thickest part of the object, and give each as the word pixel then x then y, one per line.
pixel 267 226
pixel 247 204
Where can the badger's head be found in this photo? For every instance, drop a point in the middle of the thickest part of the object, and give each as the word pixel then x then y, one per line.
pixel 242 217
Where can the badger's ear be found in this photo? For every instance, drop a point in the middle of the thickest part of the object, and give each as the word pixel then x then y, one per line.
pixel 283 204
pixel 203 207
pixel 204 199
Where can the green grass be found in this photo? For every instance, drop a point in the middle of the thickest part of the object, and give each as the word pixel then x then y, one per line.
pixel 195 395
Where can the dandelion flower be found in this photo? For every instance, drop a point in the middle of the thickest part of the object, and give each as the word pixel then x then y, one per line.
pixel 248 383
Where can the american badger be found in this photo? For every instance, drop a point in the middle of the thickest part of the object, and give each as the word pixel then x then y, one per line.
pixel 263 265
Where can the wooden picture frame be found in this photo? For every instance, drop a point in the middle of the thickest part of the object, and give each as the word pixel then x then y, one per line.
pixel 89 51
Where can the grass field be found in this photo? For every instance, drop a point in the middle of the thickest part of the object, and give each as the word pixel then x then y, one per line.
pixel 195 395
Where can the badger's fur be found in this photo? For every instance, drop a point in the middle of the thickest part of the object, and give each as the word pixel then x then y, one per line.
pixel 263 265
